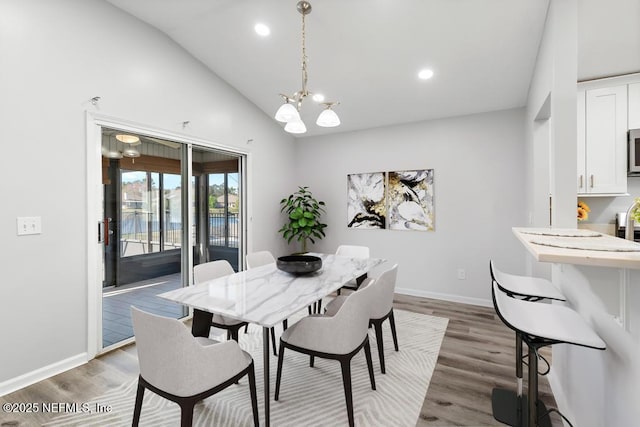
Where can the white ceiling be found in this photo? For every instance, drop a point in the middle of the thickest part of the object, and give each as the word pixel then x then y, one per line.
pixel 367 53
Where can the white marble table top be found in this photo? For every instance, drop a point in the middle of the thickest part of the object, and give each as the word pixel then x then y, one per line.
pixel 265 295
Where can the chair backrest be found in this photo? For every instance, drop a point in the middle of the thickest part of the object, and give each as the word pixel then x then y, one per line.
pixel 258 259
pixel 353 251
pixel 211 270
pixel 163 346
pixel 351 325
pixel 381 299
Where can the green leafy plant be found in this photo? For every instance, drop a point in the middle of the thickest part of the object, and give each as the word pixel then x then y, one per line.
pixel 303 212
pixel 636 212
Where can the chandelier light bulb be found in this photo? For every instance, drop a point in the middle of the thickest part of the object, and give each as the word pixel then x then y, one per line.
pixel 295 126
pixel 328 118
pixel 287 113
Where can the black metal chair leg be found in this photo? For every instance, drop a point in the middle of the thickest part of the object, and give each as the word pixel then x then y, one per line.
pixel 186 414
pixel 138 406
pixel 254 396
pixel 346 382
pixel 311 360
pixel 392 322
pixel 377 326
pixel 246 328
pixel 367 354
pixel 279 373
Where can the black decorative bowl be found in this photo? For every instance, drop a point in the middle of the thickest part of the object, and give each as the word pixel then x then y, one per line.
pixel 299 264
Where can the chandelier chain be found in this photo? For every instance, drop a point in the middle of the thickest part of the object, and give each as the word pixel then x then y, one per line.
pixel 304 64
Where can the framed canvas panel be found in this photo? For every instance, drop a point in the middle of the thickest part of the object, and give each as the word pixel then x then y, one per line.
pixel 410 200
pixel 366 206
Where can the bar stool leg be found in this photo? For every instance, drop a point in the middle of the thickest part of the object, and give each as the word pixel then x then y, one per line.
pixel 537 410
pixel 519 363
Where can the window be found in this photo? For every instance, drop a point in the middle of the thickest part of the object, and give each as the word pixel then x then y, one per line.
pixel 149 223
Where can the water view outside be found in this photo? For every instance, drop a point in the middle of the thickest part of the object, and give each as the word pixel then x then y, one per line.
pixel 141 217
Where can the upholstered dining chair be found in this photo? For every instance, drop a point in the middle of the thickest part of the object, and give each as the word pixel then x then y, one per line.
pixel 381 307
pixel 184 369
pixel 214 270
pixel 255 260
pixel 258 259
pixel 353 252
pixel 339 337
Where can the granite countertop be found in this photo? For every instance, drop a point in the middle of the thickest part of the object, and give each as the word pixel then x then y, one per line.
pixel 579 246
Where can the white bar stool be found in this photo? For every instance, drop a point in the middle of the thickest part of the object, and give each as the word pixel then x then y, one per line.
pixel 542 325
pixel 506 404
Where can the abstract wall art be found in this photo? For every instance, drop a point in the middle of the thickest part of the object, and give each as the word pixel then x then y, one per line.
pixel 366 195
pixel 398 200
pixel 410 200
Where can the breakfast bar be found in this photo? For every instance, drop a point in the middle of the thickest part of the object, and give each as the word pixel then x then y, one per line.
pixel 599 275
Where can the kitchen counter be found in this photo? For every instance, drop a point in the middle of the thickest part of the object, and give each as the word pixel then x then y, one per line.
pixel 599 276
pixel 580 247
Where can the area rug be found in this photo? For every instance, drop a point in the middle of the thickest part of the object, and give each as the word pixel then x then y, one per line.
pixel 308 396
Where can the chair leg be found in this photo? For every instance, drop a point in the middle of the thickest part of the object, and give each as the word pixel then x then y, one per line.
pixel 377 326
pixel 186 414
pixel 279 373
pixel 346 382
pixel 246 328
pixel 309 309
pixel 311 360
pixel 319 306
pixel 338 291
pixel 392 322
pixel 234 334
pixel 254 396
pixel 285 324
pixel 138 406
pixel 273 340
pixel 367 354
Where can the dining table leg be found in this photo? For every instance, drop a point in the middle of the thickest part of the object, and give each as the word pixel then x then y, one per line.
pixel 265 359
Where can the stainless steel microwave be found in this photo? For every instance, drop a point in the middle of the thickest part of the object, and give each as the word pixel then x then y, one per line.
pixel 634 152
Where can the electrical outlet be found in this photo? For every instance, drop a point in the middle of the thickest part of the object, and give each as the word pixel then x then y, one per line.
pixel 29 225
pixel 462 274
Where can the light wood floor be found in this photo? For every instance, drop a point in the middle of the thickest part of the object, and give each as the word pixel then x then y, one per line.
pixel 477 354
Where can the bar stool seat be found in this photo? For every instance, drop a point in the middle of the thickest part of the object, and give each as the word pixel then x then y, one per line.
pixel 526 287
pixel 541 325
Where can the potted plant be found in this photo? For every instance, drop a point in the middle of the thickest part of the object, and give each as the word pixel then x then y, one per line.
pixel 303 212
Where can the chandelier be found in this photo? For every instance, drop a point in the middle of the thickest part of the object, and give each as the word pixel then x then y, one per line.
pixel 289 112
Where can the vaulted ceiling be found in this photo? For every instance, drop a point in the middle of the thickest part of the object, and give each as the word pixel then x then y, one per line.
pixel 366 54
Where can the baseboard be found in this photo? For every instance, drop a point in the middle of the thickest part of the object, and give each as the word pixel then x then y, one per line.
pixel 43 373
pixel 558 395
pixel 445 297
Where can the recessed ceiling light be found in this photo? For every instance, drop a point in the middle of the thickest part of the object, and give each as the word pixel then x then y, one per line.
pixel 262 30
pixel 425 74
pixel 318 97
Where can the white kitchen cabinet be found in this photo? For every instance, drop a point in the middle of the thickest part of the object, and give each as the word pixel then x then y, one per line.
pixel 634 106
pixel 602 141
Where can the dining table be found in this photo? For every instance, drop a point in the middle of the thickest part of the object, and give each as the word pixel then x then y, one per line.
pixel 267 296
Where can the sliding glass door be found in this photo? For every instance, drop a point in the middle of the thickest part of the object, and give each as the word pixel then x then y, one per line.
pixel 147 191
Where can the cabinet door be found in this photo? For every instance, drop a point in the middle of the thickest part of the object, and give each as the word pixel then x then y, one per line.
pixel 606 140
pixel 581 151
pixel 634 106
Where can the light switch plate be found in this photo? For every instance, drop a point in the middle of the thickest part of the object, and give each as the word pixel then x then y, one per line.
pixel 29 225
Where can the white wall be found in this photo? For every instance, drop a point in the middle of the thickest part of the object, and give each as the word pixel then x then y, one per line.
pixel 478 162
pixel 54 57
pixel 592 388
